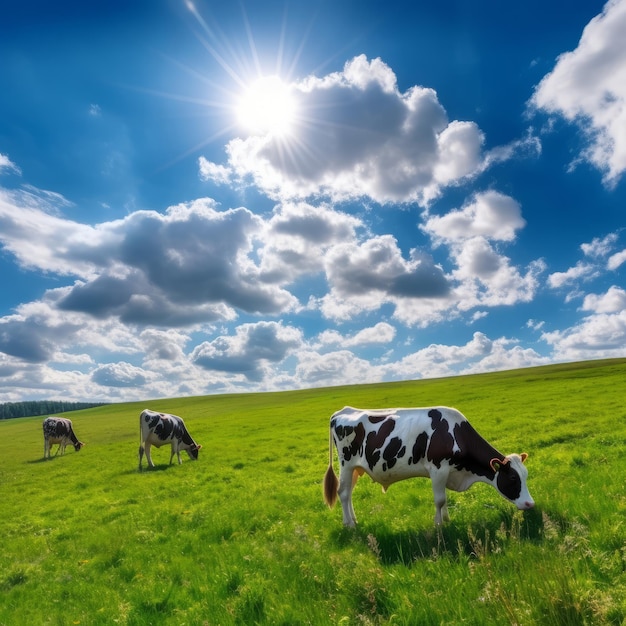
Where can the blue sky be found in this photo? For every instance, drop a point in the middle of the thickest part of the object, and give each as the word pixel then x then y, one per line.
pixel 217 197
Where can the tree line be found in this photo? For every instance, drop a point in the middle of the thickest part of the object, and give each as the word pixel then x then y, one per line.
pixel 9 410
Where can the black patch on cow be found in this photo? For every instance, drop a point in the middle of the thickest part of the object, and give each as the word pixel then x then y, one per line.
pixel 509 482
pixel 356 445
pixel 376 440
pixel 474 454
pixel 343 431
pixel 353 447
pixel 152 419
pixel 419 448
pixel 394 451
pixel 164 428
pixel 376 419
pixel 441 441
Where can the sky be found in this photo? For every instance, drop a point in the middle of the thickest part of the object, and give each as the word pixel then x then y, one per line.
pixel 220 197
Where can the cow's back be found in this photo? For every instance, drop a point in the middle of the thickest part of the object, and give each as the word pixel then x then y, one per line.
pixel 56 428
pixel 394 444
pixel 162 427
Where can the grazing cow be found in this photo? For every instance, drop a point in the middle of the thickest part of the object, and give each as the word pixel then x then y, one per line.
pixel 393 444
pixel 58 430
pixel 162 428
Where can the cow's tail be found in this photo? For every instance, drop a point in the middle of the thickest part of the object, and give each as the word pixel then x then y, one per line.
pixel 331 483
pixel 140 442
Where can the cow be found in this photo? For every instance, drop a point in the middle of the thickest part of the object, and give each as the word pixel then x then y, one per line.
pixel 59 430
pixel 159 429
pixel 437 442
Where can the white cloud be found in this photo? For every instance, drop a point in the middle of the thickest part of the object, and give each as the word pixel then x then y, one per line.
pixel 8 165
pixel 613 301
pixel 297 237
pixel 363 276
pixel 247 351
pixel 487 278
pixel 596 251
pixel 380 333
pixel 616 260
pixel 557 280
pixel 599 248
pixel 194 263
pixel 480 354
pixel 489 214
pixel 484 276
pixel 119 374
pixel 598 336
pixel 213 171
pixel 588 87
pixel 335 368
pixel 357 136
pixel 535 324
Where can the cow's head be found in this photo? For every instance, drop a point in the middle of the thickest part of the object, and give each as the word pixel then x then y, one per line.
pixel 192 451
pixel 78 445
pixel 510 480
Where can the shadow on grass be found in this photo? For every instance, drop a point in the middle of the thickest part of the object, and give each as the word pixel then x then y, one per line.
pixel 453 540
pixel 163 467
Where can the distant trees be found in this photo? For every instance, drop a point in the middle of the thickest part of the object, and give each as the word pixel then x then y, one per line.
pixel 9 410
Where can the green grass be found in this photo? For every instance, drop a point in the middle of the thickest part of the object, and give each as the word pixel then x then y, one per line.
pixel 242 535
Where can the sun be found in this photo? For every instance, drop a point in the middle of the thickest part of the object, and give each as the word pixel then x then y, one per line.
pixel 267 107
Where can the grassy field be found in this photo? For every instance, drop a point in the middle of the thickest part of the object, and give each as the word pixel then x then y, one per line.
pixel 242 535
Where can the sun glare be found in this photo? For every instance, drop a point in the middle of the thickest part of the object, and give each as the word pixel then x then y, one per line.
pixel 267 107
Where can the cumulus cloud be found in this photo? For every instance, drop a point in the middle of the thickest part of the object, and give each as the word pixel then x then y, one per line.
pixel 489 214
pixel 212 171
pixel 580 270
pixel 596 252
pixel 613 301
pixel 248 350
pixel 380 333
pixel 119 374
pixel 484 276
pixel 615 260
pixel 599 247
pixel 335 368
pixel 588 87
pixel 297 237
pixel 33 335
pixel 602 335
pixel 480 354
pixel 192 264
pixel 357 136
pixel 362 276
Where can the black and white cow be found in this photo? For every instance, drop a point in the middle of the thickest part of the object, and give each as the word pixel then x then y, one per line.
pixel 394 444
pixel 159 429
pixel 58 430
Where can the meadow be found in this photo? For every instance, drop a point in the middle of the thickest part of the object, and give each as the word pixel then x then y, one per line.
pixel 242 535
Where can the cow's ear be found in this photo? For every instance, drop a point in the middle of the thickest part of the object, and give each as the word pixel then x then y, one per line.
pixel 524 456
pixel 198 448
pixel 496 464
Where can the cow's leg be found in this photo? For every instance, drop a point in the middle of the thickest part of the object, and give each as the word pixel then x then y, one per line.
pixel 140 455
pixel 148 445
pixel 46 448
pixel 439 480
pixel 346 484
pixel 175 451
